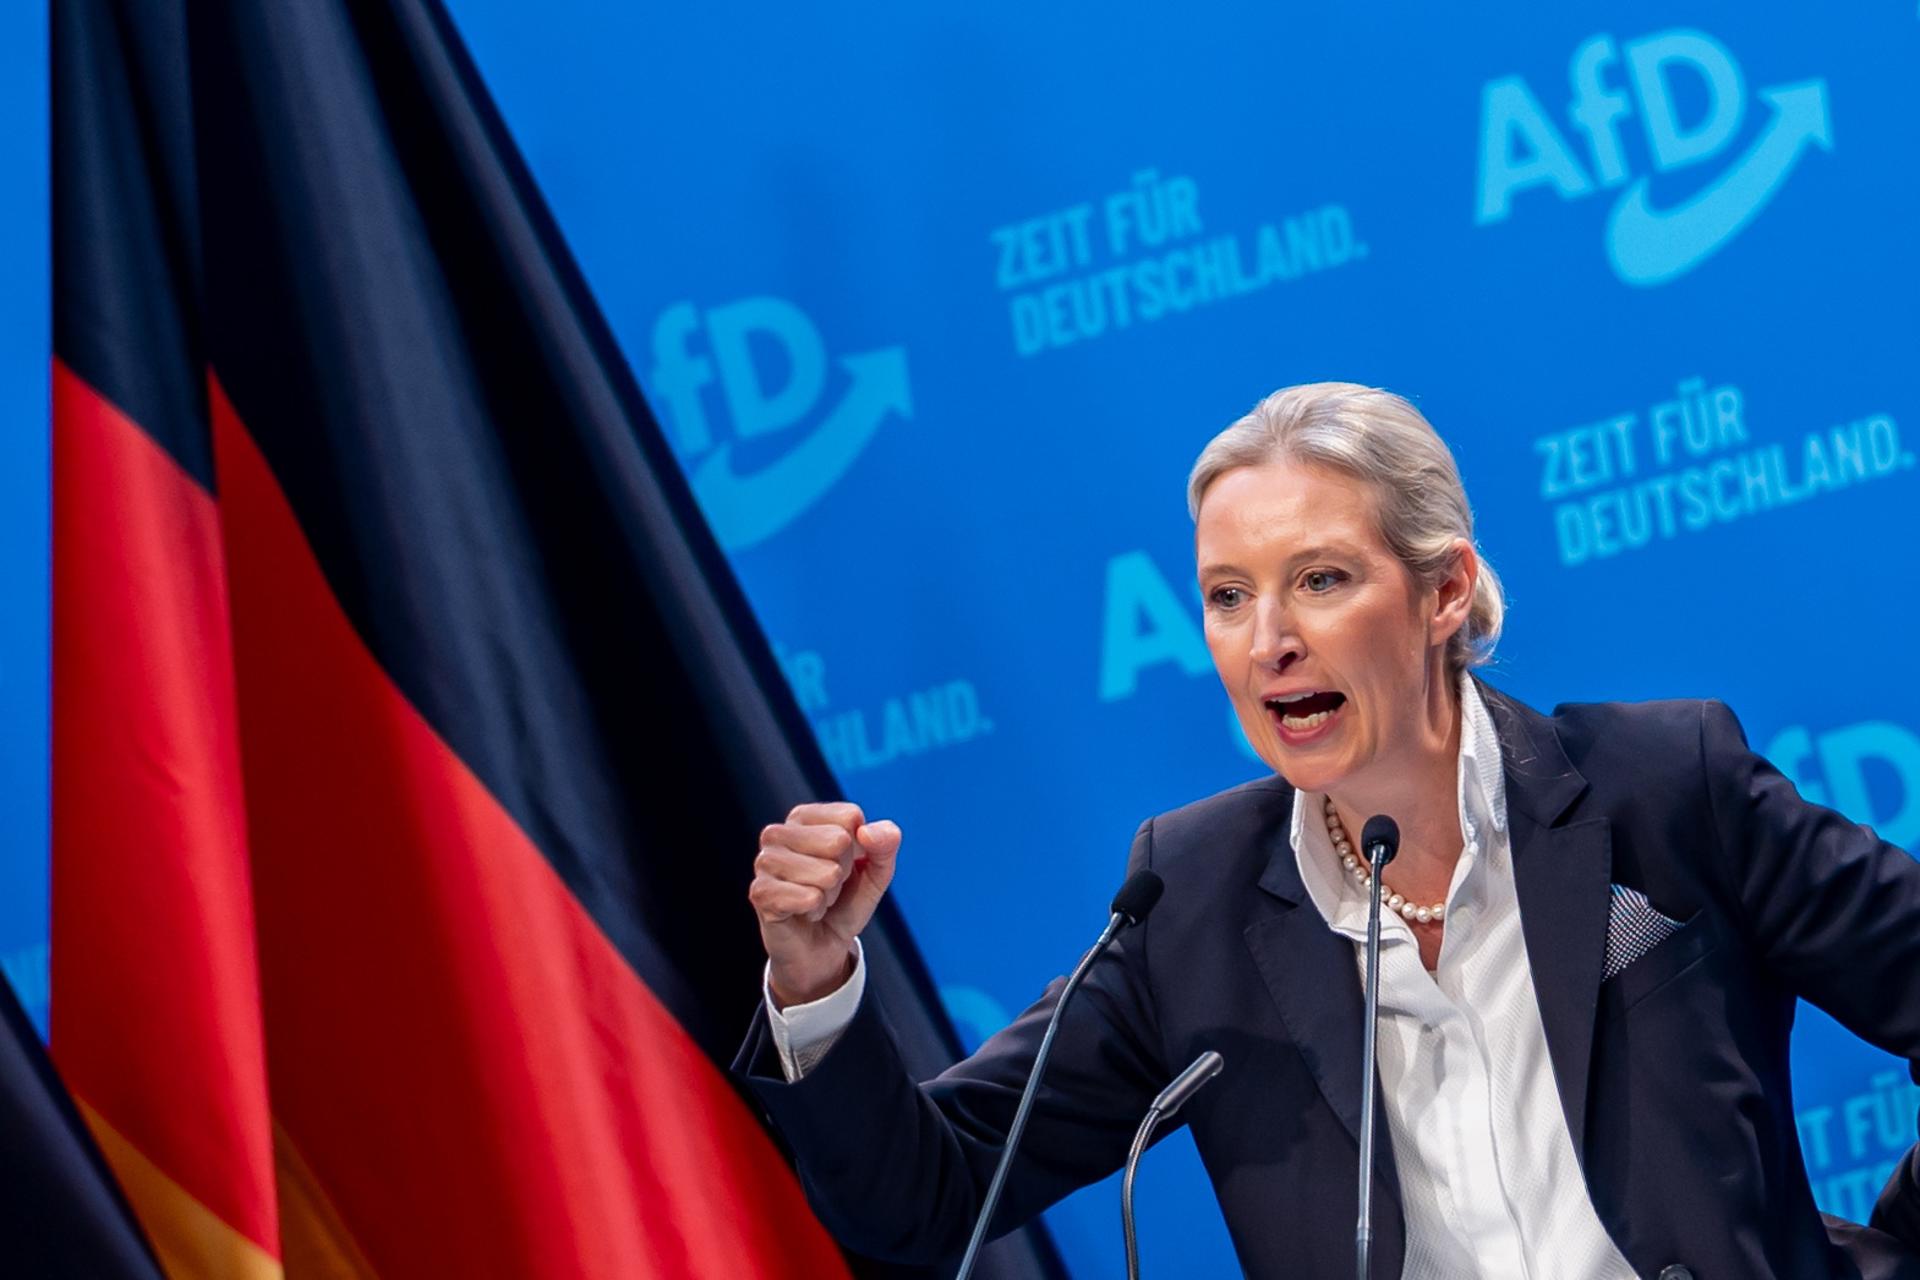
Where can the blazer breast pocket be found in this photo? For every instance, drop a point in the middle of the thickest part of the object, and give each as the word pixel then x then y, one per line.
pixel 1697 936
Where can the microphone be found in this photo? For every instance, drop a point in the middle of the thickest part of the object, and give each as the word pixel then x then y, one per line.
pixel 1130 906
pixel 1379 840
pixel 1136 897
pixel 1171 1099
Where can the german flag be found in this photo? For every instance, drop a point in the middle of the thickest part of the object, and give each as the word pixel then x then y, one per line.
pixel 411 736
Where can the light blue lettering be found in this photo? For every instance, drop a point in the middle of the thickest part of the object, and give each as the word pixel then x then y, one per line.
pixel 755 410
pixel 1596 108
pixel 1520 148
pixel 1145 626
pixel 1648 60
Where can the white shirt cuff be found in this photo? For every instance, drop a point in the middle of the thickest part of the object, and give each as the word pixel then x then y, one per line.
pixel 803 1033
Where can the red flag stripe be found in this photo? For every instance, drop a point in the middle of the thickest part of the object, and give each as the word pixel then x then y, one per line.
pixel 156 998
pixel 477 1079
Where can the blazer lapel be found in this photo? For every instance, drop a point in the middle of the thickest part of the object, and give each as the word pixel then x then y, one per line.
pixel 1310 972
pixel 1563 875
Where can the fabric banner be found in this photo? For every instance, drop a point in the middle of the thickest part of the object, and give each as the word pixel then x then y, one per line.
pixel 937 305
pixel 411 737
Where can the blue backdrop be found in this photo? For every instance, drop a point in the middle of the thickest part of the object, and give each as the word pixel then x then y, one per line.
pixel 939 303
pixel 25 344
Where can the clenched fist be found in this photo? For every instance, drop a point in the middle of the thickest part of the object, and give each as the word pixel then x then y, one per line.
pixel 816 882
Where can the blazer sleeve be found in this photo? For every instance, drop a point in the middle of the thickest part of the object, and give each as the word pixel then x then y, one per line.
pixel 896 1169
pixel 1833 909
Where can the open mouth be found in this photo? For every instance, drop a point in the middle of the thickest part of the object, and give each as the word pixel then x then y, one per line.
pixel 1303 713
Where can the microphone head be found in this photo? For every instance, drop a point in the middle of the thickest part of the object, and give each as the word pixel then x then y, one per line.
pixel 1137 896
pixel 1188 1082
pixel 1381 833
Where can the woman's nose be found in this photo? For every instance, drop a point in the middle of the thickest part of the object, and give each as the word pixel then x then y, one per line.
pixel 1275 643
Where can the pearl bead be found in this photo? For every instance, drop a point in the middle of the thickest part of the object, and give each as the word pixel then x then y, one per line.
pixel 1362 872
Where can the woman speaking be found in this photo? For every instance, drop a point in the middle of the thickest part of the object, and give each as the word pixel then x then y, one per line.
pixel 1598 924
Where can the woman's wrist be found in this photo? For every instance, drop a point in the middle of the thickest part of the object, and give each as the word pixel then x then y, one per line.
pixel 803 984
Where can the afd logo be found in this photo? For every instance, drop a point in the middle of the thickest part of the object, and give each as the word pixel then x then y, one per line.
pixel 772 369
pixel 1839 767
pixel 1691 99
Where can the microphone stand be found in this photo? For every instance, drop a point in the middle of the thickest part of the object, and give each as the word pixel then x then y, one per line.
pixel 1136 897
pixel 1171 1099
pixel 1377 854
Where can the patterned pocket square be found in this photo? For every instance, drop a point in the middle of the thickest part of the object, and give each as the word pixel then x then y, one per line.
pixel 1634 927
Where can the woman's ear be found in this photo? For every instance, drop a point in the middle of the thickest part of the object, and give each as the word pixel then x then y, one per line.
pixel 1453 594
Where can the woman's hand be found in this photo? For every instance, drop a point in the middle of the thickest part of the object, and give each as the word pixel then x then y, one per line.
pixel 817 880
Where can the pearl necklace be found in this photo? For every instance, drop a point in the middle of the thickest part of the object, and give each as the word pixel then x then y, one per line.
pixel 1353 862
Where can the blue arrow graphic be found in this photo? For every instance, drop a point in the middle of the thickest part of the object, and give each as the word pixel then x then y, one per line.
pixel 746 509
pixel 1651 246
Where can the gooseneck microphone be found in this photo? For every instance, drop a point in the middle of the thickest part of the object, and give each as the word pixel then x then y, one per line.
pixel 1171 1099
pixel 1130 907
pixel 1379 841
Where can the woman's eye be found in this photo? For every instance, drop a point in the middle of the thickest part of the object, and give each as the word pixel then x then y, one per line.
pixel 1319 580
pixel 1225 597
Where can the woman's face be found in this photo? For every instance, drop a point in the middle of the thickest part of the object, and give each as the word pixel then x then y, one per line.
pixel 1327 646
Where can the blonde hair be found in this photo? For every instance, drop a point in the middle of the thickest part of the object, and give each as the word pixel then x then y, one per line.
pixel 1379 438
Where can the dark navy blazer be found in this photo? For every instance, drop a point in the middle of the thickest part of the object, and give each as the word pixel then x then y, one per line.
pixel 1672 1074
